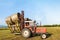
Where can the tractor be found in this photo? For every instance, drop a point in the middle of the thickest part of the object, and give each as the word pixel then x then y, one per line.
pixel 18 24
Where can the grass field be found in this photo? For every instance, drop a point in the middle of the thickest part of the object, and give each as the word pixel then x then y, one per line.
pixel 53 31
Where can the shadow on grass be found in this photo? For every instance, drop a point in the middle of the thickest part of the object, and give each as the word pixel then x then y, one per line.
pixel 47 34
pixel 35 35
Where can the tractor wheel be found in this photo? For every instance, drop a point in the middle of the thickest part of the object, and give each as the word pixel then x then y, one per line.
pixel 26 33
pixel 43 36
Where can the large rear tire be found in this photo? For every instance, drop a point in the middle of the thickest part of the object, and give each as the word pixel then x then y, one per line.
pixel 26 33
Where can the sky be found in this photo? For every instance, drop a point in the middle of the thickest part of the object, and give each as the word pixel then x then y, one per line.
pixel 45 11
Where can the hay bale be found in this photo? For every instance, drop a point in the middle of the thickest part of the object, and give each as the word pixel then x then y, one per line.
pixel 15 17
pixel 8 20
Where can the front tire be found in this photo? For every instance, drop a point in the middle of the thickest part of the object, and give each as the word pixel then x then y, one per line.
pixel 26 33
pixel 43 36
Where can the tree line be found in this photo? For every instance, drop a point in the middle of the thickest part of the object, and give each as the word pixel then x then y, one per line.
pixel 54 25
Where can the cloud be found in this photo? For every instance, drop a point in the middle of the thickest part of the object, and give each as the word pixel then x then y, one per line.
pixel 53 18
pixel 0 21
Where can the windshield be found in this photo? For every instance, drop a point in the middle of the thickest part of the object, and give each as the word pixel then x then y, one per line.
pixel 31 24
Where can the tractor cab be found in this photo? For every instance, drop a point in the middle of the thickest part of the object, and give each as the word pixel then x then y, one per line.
pixel 29 24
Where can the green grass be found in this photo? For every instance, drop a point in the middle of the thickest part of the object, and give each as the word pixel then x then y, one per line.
pixel 4 34
pixel 54 31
